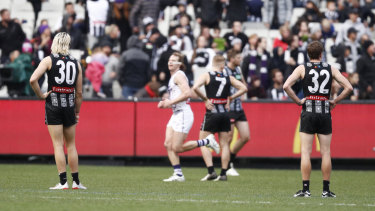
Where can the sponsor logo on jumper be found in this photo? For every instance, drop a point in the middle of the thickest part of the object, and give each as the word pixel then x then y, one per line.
pixel 62 89
pixel 316 97
pixel 219 101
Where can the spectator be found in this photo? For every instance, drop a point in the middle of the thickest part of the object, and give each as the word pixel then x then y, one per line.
pixel 11 36
pixel 354 81
pixel 366 71
pixel 312 13
pixel 151 90
pixel 208 13
pixel 286 38
pixel 21 72
pixel 111 70
pixel 186 28
pixel 365 14
pixel 354 22
pixel 355 48
pixel 181 4
pixel 218 43
pixel 75 34
pixel 96 68
pixel 346 61
pixel 37 6
pixel 331 13
pixel 97 11
pixel 236 33
pixel 202 56
pixel 328 30
pixel 68 12
pixel 43 43
pixel 301 29
pixel 342 10
pixel 251 46
pixel 183 42
pixel 256 90
pixel 142 9
pixel 254 10
pixel 205 31
pixel 277 13
pixel 112 35
pixel 120 16
pixel 256 64
pixel 236 11
pixel 134 65
pixel 277 92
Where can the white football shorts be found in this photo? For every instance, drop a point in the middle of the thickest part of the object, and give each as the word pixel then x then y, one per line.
pixel 182 121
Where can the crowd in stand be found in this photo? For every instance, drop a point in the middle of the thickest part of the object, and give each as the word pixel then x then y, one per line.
pixel 122 43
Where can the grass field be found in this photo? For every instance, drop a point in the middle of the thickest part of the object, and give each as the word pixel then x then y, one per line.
pixel 25 187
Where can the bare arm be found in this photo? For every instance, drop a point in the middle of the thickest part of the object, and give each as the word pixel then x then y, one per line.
pixel 292 79
pixel 78 91
pixel 241 88
pixel 182 83
pixel 43 66
pixel 344 83
pixel 203 80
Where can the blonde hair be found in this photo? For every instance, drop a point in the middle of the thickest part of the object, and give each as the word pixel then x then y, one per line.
pixel 61 43
pixel 109 29
pixel 218 60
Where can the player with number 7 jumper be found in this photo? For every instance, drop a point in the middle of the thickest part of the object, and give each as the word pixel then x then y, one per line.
pixel 62 105
pixel 317 79
pixel 216 120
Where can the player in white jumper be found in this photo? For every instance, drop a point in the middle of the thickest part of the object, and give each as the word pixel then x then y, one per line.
pixel 182 118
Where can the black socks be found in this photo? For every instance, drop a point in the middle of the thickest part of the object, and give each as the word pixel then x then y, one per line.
pixel 210 169
pixel 62 178
pixel 325 185
pixel 223 172
pixel 306 185
pixel 75 177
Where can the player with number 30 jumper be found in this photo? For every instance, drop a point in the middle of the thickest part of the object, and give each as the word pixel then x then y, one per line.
pixel 62 105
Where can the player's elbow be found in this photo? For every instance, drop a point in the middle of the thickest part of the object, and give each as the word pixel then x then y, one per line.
pixel 285 87
pixel 33 80
pixel 350 88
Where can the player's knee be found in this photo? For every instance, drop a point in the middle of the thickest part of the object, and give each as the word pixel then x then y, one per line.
pixel 168 145
pixel 325 152
pixel 177 149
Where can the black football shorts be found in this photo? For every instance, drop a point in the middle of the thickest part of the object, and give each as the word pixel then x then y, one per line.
pixel 59 116
pixel 312 123
pixel 216 122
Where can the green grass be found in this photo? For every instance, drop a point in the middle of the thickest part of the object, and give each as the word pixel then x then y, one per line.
pixel 25 187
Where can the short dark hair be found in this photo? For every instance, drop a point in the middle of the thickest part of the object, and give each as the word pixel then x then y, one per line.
pixel 315 50
pixel 2 11
pixel 232 53
pixel 67 4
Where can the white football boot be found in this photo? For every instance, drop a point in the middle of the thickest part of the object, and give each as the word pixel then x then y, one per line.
pixel 59 186
pixel 175 178
pixel 80 186
pixel 213 144
pixel 231 171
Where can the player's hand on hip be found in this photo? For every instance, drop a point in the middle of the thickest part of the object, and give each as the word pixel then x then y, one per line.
pixel 301 102
pixel 77 117
pixel 332 104
pixel 209 104
pixel 45 95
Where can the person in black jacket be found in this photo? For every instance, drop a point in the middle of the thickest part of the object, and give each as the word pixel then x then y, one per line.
pixel 366 71
pixel 11 35
pixel 133 67
pixel 208 12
